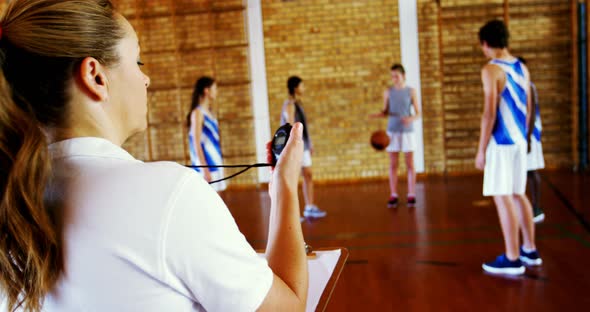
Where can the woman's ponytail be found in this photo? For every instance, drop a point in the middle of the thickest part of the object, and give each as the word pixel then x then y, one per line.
pixel 29 253
pixel 48 38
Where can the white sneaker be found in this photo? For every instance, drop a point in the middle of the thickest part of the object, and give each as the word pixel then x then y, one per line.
pixel 312 211
pixel 538 215
pixel 539 218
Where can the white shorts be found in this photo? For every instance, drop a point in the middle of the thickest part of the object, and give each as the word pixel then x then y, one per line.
pixel 401 142
pixel 306 161
pixel 216 175
pixel 534 159
pixel 505 169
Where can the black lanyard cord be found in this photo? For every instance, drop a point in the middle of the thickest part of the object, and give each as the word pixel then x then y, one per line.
pixel 246 167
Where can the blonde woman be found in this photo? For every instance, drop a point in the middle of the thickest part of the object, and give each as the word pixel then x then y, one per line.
pixel 85 225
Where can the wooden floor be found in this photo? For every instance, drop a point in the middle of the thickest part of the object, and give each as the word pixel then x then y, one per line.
pixel 428 258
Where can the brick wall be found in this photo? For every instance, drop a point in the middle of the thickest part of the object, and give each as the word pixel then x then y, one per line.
pixel 543 35
pixel 431 79
pixel 182 40
pixel 462 60
pixel 342 50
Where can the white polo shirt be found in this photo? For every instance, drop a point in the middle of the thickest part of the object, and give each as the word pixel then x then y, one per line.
pixel 146 237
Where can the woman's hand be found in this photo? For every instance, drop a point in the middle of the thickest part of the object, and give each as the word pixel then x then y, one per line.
pixel 285 250
pixel 285 176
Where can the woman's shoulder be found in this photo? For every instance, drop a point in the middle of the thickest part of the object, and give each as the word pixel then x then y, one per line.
pixel 162 172
pixel 170 167
pixel 167 179
pixel 196 114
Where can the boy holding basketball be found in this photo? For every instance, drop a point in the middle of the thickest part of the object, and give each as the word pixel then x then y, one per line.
pixel 503 148
pixel 398 101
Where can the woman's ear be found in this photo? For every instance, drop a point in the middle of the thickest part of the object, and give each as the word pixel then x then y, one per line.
pixel 92 79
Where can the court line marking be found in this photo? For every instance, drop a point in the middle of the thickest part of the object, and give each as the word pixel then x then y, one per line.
pixel 438 263
pixel 355 235
pixel 564 200
pixel 574 236
pixel 450 242
pixel 360 235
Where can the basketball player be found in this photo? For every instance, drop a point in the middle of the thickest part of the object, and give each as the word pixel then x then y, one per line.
pixel 535 159
pixel 398 101
pixel 503 147
pixel 292 112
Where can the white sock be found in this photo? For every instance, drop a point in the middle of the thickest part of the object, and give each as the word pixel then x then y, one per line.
pixel 527 250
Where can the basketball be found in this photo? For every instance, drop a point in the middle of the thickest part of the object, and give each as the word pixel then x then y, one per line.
pixel 379 140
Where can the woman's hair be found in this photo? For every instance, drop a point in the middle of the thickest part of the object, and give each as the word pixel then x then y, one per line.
pixel 292 84
pixel 42 43
pixel 399 68
pixel 202 83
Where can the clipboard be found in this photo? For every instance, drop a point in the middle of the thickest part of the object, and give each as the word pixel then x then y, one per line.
pixel 328 289
pixel 325 266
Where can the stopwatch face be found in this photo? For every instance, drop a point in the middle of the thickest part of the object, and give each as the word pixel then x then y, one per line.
pixel 280 140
